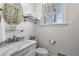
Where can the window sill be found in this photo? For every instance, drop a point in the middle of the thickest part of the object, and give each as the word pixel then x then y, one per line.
pixel 55 24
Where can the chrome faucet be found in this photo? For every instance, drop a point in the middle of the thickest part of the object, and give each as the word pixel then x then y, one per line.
pixel 11 40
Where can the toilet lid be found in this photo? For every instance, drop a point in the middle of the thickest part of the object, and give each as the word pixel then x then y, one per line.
pixel 41 51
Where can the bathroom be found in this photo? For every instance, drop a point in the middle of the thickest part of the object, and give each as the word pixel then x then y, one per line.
pixel 59 38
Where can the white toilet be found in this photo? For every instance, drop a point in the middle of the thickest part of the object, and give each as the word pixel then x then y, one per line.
pixel 39 50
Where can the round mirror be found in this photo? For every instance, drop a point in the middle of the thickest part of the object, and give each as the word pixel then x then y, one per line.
pixel 12 13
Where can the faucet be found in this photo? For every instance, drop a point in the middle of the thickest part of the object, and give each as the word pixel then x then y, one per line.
pixel 11 40
pixel 15 38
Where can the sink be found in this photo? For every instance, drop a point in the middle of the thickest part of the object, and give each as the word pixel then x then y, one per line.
pixel 27 43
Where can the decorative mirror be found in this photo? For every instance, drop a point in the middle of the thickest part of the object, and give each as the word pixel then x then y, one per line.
pixel 12 13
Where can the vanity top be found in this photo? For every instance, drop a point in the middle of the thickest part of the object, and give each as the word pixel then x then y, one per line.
pixel 14 47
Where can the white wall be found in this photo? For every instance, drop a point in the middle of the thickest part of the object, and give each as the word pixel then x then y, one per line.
pixel 66 36
pixel 32 8
pixel 0 32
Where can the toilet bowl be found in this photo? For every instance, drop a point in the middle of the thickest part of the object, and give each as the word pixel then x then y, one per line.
pixel 41 52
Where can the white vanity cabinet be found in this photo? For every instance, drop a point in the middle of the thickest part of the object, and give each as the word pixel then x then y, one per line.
pixel 27 51
pixel 21 48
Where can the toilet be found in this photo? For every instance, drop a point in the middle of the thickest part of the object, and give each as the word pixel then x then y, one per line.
pixel 39 51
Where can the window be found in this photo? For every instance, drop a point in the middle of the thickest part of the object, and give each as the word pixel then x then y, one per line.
pixel 52 13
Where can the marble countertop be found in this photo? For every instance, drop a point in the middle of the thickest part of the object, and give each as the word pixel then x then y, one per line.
pixel 14 47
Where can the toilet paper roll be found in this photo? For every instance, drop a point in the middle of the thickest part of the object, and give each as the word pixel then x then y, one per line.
pixel 52 41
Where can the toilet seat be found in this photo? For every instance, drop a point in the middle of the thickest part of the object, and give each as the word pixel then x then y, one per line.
pixel 41 51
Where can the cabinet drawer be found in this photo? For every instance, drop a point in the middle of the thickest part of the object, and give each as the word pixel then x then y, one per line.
pixel 30 53
pixel 26 51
